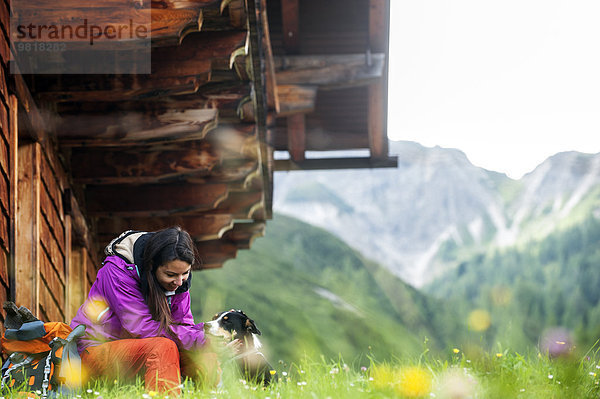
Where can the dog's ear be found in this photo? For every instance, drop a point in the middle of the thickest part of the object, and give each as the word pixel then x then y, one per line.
pixel 250 326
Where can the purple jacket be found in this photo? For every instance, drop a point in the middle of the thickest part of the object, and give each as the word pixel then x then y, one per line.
pixel 115 309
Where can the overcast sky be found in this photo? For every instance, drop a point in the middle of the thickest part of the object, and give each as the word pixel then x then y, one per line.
pixel 508 82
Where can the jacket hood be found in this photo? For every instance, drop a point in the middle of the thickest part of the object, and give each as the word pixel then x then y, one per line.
pixel 130 246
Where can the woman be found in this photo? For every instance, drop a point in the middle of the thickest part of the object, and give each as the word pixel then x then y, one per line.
pixel 138 317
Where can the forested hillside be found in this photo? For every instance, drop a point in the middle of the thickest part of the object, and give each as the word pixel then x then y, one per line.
pixel 310 293
pixel 550 283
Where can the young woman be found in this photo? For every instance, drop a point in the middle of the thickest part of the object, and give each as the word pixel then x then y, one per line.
pixel 138 317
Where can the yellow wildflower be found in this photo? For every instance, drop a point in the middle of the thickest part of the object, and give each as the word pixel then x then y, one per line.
pixel 414 382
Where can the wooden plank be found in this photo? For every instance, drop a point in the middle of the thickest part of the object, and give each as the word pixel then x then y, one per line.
pixel 166 22
pixel 336 163
pixel 153 199
pixel 239 204
pixel 52 187
pixel 201 227
pixel 35 124
pixel 4 194
pixel 296 137
pixel 28 215
pixel 4 142
pixel 49 310
pixel 175 70
pixel 54 249
pixel 67 308
pixel 319 140
pixel 120 88
pixel 52 280
pixel 4 94
pixel 243 234
pixel 377 119
pixel 76 281
pixel 237 13
pixel 295 99
pixel 291 25
pixel 235 173
pixel 134 128
pixel 80 230
pixel 90 272
pixel 220 96
pixel 91 5
pixel 143 164
pixel 14 178
pixel 4 221
pixel 4 39
pixel 4 264
pixel 270 79
pixel 215 251
pixel 4 191
pixel 193 54
pixel 55 224
pixel 330 70
pixel 378 26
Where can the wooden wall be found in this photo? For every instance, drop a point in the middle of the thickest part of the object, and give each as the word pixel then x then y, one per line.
pixel 7 162
pixel 53 272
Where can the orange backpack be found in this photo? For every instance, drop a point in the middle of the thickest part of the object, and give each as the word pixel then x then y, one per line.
pixel 42 358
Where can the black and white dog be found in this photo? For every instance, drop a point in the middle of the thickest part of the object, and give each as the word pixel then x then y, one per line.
pixel 234 324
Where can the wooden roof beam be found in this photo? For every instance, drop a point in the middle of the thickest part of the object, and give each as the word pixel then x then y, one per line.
pixel 243 234
pixel 336 163
pixel 135 128
pixel 216 251
pixel 158 199
pixel 169 21
pixel 142 165
pixel 296 132
pixel 201 227
pixel 378 42
pixel 242 205
pixel 222 95
pixel 290 17
pixel 330 70
pixel 176 70
pixel 295 99
pixel 378 141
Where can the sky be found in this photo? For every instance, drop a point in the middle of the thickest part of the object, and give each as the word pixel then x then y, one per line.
pixel 508 82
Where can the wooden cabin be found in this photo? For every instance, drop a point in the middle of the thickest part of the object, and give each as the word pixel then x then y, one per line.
pixel 89 148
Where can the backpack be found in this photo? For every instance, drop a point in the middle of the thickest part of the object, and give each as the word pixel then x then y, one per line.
pixel 42 358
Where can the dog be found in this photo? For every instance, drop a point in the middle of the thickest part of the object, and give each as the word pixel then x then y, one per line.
pixel 235 324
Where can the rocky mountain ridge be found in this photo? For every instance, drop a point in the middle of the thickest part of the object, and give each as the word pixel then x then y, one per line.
pixel 418 218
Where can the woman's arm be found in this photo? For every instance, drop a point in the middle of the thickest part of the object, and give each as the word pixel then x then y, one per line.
pixel 125 299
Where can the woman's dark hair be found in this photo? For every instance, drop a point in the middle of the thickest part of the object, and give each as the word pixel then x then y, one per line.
pixel 162 247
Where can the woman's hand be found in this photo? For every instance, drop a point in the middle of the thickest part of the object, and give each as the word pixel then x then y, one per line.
pixel 235 346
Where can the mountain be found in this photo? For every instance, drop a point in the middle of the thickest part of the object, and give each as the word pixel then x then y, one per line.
pixel 308 292
pixel 529 290
pixel 436 208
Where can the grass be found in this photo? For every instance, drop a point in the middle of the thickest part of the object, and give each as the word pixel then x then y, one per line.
pixel 462 374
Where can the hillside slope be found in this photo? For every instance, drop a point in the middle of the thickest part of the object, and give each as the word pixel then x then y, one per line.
pixel 310 293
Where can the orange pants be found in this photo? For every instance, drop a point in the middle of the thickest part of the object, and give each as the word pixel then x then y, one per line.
pixel 158 359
